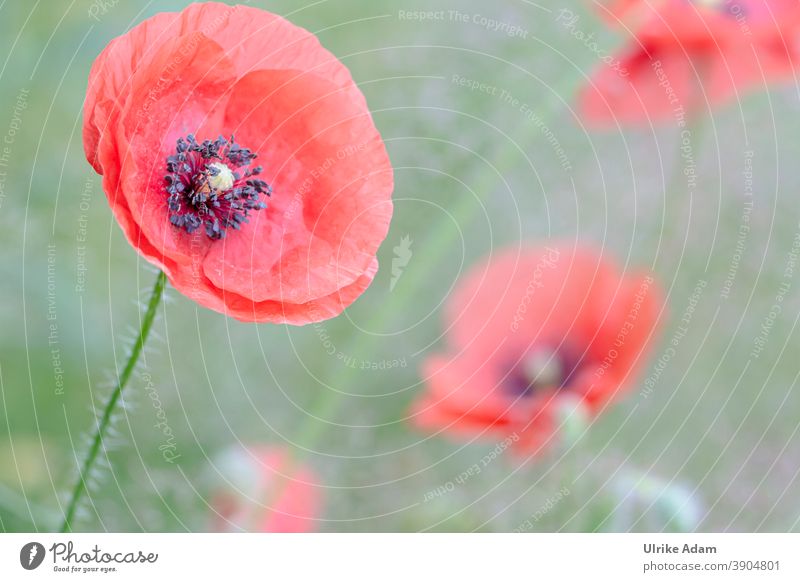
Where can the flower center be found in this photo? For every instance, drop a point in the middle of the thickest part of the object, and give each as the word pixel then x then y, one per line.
pixel 542 369
pixel 211 185
pixel 728 7
pixel 220 177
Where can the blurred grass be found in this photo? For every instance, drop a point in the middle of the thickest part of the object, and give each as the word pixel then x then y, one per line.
pixel 710 423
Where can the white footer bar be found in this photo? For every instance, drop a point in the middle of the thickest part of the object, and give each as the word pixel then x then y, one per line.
pixel 402 557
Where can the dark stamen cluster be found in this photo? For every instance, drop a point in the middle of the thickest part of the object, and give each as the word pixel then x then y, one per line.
pixel 192 199
pixel 566 364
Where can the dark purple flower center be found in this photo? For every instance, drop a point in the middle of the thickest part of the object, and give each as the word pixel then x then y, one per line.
pixel 542 368
pixel 727 7
pixel 211 185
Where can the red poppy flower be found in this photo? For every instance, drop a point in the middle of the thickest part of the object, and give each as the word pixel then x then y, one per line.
pixel 260 496
pixel 532 332
pixel 280 223
pixel 686 55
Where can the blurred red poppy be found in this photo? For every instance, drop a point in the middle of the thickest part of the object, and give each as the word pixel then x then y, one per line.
pixel 686 56
pixel 532 332
pixel 280 223
pixel 264 493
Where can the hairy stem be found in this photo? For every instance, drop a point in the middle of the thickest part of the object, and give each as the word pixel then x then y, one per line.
pixel 105 419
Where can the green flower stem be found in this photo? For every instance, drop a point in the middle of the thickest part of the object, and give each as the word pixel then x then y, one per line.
pixel 105 420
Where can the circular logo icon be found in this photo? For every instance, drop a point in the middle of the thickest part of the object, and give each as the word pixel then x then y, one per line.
pixel 31 555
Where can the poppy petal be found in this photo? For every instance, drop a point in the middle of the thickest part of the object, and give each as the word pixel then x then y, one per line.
pixel 213 69
pixel 330 175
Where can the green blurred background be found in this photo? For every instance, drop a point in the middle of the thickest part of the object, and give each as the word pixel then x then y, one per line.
pixel 711 446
